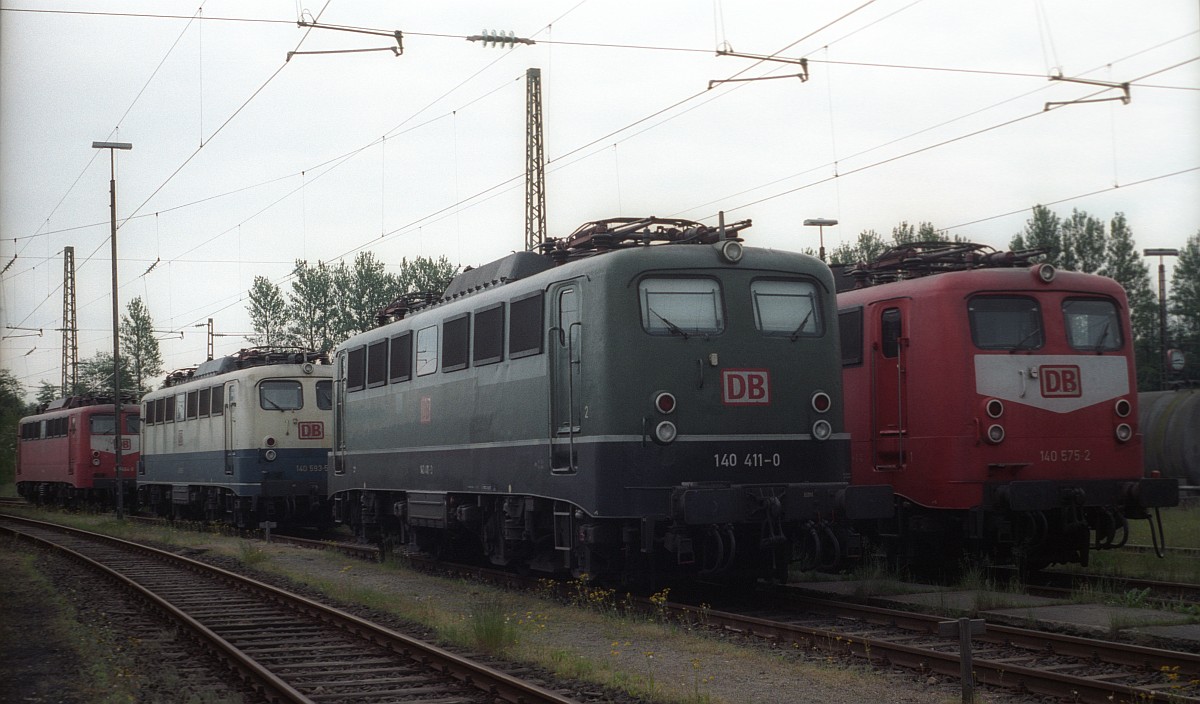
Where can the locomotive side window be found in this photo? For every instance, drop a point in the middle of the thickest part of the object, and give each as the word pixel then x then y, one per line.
pixel 427 350
pixel 455 342
pixel 218 400
pixel 679 306
pixel 377 363
pixel 325 394
pixel 180 407
pixel 488 347
pixel 890 331
pixel 205 401
pixel 788 308
pixel 850 326
pixel 356 371
pixel 525 326
pixel 166 409
pixel 401 362
pixel 1005 323
pixel 148 412
pixel 280 395
pixel 193 404
pixel 1092 324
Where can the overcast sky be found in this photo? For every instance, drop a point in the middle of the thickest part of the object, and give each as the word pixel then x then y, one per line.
pixel 244 161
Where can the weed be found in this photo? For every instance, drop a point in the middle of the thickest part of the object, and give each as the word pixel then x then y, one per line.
pixel 492 629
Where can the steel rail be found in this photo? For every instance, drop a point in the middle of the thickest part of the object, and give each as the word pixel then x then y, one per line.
pixel 496 683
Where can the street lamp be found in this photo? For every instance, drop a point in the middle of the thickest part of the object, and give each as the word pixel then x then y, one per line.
pixel 821 223
pixel 1162 306
pixel 119 418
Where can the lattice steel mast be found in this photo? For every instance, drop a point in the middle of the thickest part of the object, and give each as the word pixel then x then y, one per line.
pixel 70 338
pixel 535 163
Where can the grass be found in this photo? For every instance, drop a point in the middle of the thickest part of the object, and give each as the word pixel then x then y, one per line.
pixel 1181 525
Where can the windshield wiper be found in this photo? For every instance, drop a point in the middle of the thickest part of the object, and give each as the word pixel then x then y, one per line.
pixel 675 329
pixel 1021 343
pixel 274 405
pixel 796 332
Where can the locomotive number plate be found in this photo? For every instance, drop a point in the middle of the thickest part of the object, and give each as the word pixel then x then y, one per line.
pixel 748 459
pixel 1065 455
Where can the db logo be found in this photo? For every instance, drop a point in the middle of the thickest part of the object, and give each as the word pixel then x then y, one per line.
pixel 1061 381
pixel 745 387
pixel 126 444
pixel 311 430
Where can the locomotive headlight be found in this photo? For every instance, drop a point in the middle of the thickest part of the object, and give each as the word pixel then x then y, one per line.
pixel 821 402
pixel 307 368
pixel 665 433
pixel 995 434
pixel 95 461
pixel 269 441
pixel 1045 272
pixel 1124 432
pixel 731 251
pixel 270 455
pixel 664 402
pixel 821 430
pixel 994 408
pixel 1123 408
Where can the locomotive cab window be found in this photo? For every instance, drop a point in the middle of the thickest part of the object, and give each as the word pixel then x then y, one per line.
pixel 786 308
pixel 102 424
pixel 1092 324
pixel 1005 323
pixel 325 394
pixel 280 395
pixel 681 306
pixel 133 424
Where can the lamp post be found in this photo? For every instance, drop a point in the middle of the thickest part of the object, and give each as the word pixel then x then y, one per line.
pixel 1162 306
pixel 119 417
pixel 821 223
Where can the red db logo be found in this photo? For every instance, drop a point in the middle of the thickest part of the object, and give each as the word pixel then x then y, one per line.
pixel 1061 381
pixel 745 387
pixel 312 430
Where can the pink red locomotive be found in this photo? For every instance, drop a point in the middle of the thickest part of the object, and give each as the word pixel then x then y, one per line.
pixel 66 455
pixel 997 397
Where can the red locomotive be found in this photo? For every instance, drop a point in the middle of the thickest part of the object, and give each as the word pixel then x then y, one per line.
pixel 66 456
pixel 997 397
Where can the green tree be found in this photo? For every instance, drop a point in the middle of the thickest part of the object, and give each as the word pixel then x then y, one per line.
pixel 139 346
pixel 311 307
pixel 96 375
pixel 905 233
pixel 1083 243
pixel 1184 306
pixel 12 408
pixel 363 289
pixel 869 246
pixel 268 314
pixel 424 274
pixel 47 392
pixel 1042 230
pixel 1125 265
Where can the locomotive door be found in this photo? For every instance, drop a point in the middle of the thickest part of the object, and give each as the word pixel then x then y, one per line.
pixel 339 416
pixel 565 362
pixel 231 397
pixel 889 408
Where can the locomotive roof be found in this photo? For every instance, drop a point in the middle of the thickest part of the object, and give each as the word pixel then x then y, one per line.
pixel 244 359
pixel 983 280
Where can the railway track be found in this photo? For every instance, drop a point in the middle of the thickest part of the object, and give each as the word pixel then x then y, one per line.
pixel 1059 665
pixel 288 648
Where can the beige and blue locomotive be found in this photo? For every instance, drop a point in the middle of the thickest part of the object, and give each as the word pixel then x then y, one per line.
pixel 647 398
pixel 242 439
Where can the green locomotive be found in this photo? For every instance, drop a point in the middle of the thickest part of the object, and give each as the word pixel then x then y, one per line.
pixel 647 398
